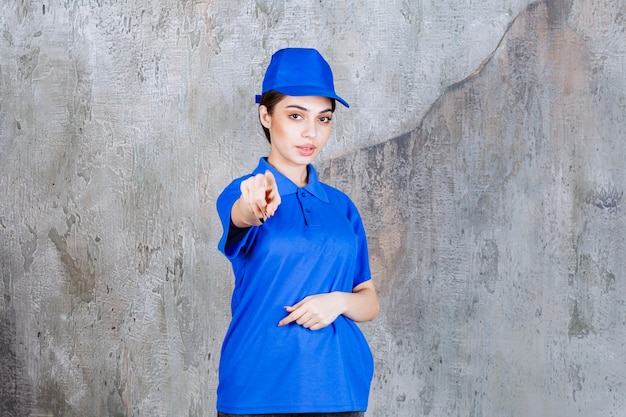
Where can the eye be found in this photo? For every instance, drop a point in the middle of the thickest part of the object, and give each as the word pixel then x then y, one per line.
pixel 295 116
pixel 326 119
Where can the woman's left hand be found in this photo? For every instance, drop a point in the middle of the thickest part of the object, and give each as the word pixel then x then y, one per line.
pixel 318 311
pixel 315 311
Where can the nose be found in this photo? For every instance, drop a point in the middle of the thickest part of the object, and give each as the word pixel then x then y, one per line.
pixel 310 129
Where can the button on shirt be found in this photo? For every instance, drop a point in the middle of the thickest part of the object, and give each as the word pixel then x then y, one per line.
pixel 315 243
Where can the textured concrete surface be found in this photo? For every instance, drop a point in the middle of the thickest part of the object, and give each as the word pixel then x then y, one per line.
pixel 484 147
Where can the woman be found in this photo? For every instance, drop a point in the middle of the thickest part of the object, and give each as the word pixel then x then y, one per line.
pixel 299 255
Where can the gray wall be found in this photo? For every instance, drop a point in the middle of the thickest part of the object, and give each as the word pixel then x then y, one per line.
pixel 484 147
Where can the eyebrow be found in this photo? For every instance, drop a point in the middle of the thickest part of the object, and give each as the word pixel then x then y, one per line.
pixel 295 106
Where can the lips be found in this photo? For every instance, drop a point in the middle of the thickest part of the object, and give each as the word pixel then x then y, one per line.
pixel 306 150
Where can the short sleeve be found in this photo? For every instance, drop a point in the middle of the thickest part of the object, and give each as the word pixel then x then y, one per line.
pixel 362 267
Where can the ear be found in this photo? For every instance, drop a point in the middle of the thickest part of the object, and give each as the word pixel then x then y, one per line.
pixel 265 117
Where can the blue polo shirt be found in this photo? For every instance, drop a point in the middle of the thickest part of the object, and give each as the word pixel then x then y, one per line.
pixel 315 243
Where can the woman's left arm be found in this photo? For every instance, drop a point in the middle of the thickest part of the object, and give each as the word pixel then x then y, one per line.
pixel 318 311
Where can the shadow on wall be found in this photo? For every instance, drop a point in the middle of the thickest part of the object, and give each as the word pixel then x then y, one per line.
pixel 492 247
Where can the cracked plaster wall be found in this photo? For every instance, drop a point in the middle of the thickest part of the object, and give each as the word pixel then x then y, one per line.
pixel 484 148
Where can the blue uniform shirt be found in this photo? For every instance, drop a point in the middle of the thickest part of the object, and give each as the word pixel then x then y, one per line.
pixel 315 243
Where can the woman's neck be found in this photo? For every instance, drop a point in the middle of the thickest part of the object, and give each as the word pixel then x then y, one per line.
pixel 298 174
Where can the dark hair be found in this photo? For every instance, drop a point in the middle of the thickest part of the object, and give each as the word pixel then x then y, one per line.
pixel 269 99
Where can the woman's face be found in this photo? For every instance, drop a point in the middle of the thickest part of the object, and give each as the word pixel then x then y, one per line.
pixel 299 128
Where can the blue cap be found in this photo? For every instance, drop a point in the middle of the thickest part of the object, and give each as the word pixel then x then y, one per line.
pixel 300 72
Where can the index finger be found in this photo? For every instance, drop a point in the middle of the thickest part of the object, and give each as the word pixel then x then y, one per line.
pixel 270 180
pixel 290 318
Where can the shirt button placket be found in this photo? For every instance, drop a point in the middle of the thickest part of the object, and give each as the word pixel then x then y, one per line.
pixel 306 211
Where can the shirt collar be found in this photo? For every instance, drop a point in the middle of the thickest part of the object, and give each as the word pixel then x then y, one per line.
pixel 286 186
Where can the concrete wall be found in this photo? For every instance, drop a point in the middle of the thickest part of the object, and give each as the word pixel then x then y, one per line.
pixel 484 146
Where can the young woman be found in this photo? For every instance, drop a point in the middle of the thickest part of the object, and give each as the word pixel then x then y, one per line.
pixel 299 255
